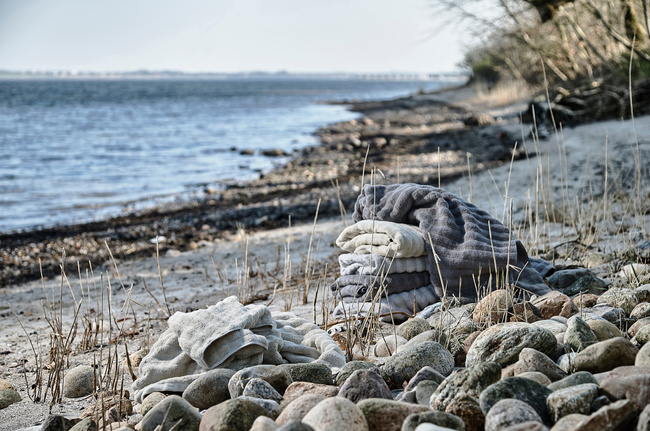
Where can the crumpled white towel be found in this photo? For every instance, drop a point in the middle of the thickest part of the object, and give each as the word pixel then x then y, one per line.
pixel 374 264
pixel 384 238
pixel 229 335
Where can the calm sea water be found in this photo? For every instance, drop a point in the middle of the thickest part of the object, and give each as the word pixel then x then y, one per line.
pixel 74 151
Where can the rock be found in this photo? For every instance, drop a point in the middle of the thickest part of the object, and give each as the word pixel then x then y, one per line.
pixel 388 345
pixel 363 384
pixel 425 373
pixel 603 311
pixel 274 152
pixel 79 382
pixel 350 368
pixel 524 312
pixel 569 422
pixel 109 408
pixel 299 407
pixel 643 357
pixel 641 310
pixel 314 372
pixel 9 397
pixel 619 297
pixel 442 419
pixel 574 399
pixel 507 412
pixel 642 336
pixel 616 416
pixel 4 384
pixel 86 424
pixel 555 303
pixel 524 390
pixel 137 357
pixel 469 381
pixel 263 423
pixel 588 283
pixel 606 355
pixel 579 378
pixel 468 409
pixel 454 321
pixel 405 396
pixel 535 376
pixel 424 390
pixel 599 402
pixel 413 327
pixel 643 292
pixel 526 426
pixel 278 377
pixel 533 360
pixel 578 334
pixel 638 325
pixel 493 307
pixel 385 415
pixel 404 365
pixel 58 423
pixel 272 407
pixel 150 401
pixel 258 388
pixel 564 278
pixel 336 414
pixel 295 426
pixel 635 272
pixel 247 152
pixel 631 383
pixel 644 420
pixel 586 300
pixel 168 413
pixel 235 414
pixel 209 389
pixel 503 342
pixel 604 330
pixel 298 389
pixel 566 362
pixel 479 119
pixel 552 325
pixel 432 335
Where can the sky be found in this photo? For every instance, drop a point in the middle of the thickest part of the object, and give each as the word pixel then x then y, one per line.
pixel 227 36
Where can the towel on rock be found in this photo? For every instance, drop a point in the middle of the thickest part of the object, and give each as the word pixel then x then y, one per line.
pixel 352 263
pixel 229 335
pixel 359 285
pixel 467 241
pixel 382 237
pixel 409 302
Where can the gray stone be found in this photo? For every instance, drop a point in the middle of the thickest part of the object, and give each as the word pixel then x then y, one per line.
pixel 567 361
pixel 637 326
pixel 263 423
pixel 9 397
pixel 271 406
pixel 535 376
pixel 599 402
pixel 402 366
pixel 168 413
pixel 569 422
pixel 79 382
pixel 277 376
pixel 314 372
pixel 619 297
pixel 493 307
pixel 620 415
pixel 526 426
pixel 578 334
pixel 406 396
pixel 643 357
pixel 432 335
pixel 412 327
pixel 58 423
pixel 385 415
pixel 295 426
pixel 299 407
pixel 502 343
pixel 235 414
pixel 350 368
pixel 604 330
pixel 336 414
pixel 298 389
pixel 431 427
pixel 644 420
pixel 588 283
pixel 552 325
pixel 579 378
pixel 468 409
pixel 509 412
pixel 641 310
pixel 209 389
pixel 388 345
pixel 524 390
pixel 533 360
pixel 425 373
pixel 606 355
pixel 603 311
pixel 564 278
pixel 642 336
pixel 363 384
pixel 574 399
pixel 424 390
pixel 258 388
pixel 86 424
pixel 454 321
pixel 469 381
pixel 151 400
pixel 442 419
pixel 631 383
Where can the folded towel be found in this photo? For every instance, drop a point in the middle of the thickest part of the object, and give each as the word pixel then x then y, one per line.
pixel 468 249
pixel 359 285
pixel 374 264
pixel 230 335
pixel 410 303
pixel 383 238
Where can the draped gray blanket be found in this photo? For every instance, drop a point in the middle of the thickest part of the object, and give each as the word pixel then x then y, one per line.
pixel 468 250
pixel 359 285
pixel 374 264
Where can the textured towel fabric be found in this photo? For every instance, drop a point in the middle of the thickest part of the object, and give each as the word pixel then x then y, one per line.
pixel 230 335
pixel 410 303
pixel 352 263
pixel 468 249
pixel 383 238
pixel 359 285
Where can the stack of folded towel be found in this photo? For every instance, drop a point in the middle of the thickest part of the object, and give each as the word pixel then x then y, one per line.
pixel 384 271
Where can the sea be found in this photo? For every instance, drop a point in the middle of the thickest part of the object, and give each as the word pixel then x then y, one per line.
pixel 80 150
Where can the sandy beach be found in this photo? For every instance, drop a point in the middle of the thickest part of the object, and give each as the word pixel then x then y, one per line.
pixel 272 241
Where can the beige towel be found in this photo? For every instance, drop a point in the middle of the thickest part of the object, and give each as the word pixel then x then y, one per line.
pixel 383 238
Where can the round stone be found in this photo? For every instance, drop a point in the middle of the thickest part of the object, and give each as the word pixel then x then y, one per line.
pixel 578 334
pixel 509 412
pixel 469 381
pixel 643 357
pixel 235 414
pixel 363 384
pixel 525 390
pixel 578 378
pixel 258 388
pixel 9 397
pixel 620 297
pixel 314 372
pixel 444 420
pixel 388 345
pixel 277 376
pixel 150 401
pixel 299 407
pixel 336 414
pixel 412 327
pixel 79 382
pixel 468 409
pixel 385 415
pixel 493 308
pixel 641 310
pixel 604 330
pixel 535 376
pixel 209 389
pixel 167 413
pixel 574 399
pixel 402 366
pixel 606 355
pixel 350 368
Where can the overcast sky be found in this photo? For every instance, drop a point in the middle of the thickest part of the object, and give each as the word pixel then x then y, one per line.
pixel 226 35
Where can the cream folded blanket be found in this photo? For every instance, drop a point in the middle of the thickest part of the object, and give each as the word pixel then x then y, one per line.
pixel 230 335
pixel 374 264
pixel 384 238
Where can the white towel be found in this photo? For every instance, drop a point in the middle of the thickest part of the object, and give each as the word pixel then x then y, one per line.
pixel 374 264
pixel 384 238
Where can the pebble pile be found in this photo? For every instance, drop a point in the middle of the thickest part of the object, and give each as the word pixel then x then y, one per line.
pixel 577 358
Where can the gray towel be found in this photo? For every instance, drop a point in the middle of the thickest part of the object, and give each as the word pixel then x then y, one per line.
pixel 359 285
pixel 473 249
pixel 352 263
